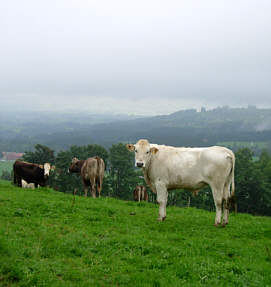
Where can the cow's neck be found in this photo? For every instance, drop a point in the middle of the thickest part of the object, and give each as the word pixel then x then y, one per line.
pixel 80 164
pixel 146 170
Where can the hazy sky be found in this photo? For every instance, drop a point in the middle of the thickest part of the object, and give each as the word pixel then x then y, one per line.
pixel 140 57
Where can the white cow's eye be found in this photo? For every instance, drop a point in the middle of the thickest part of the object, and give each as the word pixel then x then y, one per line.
pixel 148 151
pixel 135 150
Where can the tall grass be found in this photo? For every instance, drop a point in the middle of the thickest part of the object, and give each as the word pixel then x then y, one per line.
pixel 49 238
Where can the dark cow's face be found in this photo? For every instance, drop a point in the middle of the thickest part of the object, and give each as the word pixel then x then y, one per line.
pixel 143 152
pixel 74 167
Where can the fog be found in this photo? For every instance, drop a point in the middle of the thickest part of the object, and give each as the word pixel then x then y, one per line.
pixel 137 57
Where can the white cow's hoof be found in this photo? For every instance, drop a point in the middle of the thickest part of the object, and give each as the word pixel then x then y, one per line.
pixel 161 218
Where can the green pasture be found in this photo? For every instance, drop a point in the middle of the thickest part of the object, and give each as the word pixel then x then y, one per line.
pixel 48 238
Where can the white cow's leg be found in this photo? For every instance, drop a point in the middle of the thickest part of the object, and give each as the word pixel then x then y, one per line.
pixel 162 195
pixel 218 206
pixel 138 194
pixel 217 195
pixel 225 212
pixel 226 205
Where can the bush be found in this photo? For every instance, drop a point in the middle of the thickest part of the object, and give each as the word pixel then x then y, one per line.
pixel 6 175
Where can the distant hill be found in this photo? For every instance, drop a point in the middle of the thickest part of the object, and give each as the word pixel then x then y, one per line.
pixel 182 128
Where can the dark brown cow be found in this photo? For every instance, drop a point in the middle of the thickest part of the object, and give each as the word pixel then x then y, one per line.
pixel 91 171
pixel 140 193
pixel 30 172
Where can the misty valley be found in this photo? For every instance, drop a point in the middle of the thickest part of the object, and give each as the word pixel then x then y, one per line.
pixel 234 127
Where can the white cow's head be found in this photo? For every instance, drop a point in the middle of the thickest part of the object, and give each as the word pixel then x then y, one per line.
pixel 47 168
pixel 143 152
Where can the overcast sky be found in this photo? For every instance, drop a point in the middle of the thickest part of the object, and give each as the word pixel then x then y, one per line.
pixel 137 57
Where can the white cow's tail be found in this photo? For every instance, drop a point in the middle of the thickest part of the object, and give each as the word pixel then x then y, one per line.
pixel 232 198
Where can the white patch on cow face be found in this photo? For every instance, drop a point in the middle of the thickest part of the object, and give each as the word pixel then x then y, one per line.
pixel 46 167
pixel 143 153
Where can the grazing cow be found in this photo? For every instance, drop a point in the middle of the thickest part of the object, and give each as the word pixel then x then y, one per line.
pixel 91 171
pixel 31 173
pixel 140 193
pixel 167 168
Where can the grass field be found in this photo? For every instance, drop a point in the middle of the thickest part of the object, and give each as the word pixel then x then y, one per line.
pixel 49 238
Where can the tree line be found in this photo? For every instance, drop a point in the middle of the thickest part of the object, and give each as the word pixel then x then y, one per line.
pixel 252 177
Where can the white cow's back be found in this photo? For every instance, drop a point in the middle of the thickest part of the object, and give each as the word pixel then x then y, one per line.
pixel 190 168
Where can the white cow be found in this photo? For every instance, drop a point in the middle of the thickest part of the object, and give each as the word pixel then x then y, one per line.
pixel 167 167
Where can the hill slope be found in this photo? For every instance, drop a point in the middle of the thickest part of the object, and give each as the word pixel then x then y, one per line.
pixel 183 128
pixel 49 238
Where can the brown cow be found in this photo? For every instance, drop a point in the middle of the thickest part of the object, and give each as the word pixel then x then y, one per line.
pixel 91 171
pixel 140 193
pixel 31 173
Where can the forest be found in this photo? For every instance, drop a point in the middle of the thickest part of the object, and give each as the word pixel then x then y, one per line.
pixel 252 177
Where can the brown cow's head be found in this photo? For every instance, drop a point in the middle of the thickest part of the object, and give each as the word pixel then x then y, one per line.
pixel 143 152
pixel 75 166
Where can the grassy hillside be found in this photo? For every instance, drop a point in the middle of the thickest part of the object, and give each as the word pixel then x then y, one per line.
pixel 49 238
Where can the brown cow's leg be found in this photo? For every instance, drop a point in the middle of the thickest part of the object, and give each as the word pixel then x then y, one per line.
pixel 134 193
pixel 146 195
pixel 100 186
pixel 86 190
pixel 99 190
pixel 93 188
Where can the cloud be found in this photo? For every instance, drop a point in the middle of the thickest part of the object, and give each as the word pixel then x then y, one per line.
pixel 134 55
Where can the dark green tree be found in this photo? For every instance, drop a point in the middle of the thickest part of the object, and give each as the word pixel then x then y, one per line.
pixel 84 152
pixel 124 177
pixel 252 191
pixel 6 175
pixel 41 155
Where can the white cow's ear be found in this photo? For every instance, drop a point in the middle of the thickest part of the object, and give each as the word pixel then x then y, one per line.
pixel 130 147
pixel 154 150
